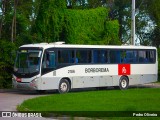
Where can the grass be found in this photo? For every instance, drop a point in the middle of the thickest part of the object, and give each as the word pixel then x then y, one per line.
pixel 136 99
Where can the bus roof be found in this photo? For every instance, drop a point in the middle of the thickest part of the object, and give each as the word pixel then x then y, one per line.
pixel 61 45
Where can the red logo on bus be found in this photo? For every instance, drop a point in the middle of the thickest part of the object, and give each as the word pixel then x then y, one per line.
pixel 124 69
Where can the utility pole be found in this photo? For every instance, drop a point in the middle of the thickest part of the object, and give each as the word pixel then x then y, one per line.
pixel 133 24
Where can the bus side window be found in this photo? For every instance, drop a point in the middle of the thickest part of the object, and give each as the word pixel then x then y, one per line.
pixel 44 62
pixel 65 56
pixel 49 60
pixel 100 56
pixel 115 56
pixel 152 57
pixel 83 56
pixel 104 56
pixel 130 56
pixel 95 56
pixel 142 56
pixel 76 60
pixel 123 57
pixel 52 60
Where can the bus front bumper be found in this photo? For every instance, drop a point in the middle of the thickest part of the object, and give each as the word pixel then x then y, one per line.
pixel 24 85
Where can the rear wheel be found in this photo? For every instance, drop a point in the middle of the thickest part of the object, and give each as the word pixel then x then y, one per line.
pixel 64 86
pixel 123 83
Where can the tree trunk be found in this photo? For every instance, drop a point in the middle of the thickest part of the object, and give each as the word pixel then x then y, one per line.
pixel 15 11
pixel 13 29
pixel 1 22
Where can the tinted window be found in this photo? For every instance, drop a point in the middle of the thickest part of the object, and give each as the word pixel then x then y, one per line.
pixel 65 56
pixel 146 56
pixel 115 56
pixel 151 56
pixel 83 56
pixel 100 56
pixel 129 56
pixel 49 60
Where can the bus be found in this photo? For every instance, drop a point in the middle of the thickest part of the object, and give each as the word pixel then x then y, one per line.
pixel 62 67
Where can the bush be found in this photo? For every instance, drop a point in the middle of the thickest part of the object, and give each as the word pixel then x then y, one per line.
pixel 76 26
pixel 7 57
pixel 90 27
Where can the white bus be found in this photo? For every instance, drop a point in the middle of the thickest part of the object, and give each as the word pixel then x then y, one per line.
pixel 64 66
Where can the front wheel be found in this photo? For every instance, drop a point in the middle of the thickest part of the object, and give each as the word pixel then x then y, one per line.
pixel 64 86
pixel 123 83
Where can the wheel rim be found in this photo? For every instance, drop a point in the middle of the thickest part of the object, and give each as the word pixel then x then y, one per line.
pixel 123 83
pixel 64 87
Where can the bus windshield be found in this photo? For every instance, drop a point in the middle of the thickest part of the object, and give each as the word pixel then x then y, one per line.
pixel 27 61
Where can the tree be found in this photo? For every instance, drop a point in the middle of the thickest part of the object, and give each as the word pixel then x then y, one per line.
pixel 50 21
pixel 121 10
pixel 90 27
pixel 153 10
pixel 15 20
pixel 6 63
pixel 5 8
pixel 55 22
pixel 14 27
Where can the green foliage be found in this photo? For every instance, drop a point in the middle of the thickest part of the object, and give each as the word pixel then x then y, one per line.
pixel 153 9
pixel 75 26
pixel 50 21
pixel 90 27
pixel 111 32
pixel 7 57
pixel 81 25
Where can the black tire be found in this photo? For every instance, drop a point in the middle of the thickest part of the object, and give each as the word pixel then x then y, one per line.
pixel 123 83
pixel 64 86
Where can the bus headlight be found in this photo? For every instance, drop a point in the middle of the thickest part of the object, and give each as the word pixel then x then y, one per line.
pixel 13 79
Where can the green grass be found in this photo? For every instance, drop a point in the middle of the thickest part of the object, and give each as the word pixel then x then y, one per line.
pixel 137 99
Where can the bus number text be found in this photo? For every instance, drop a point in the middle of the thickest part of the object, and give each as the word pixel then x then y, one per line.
pixel 71 71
